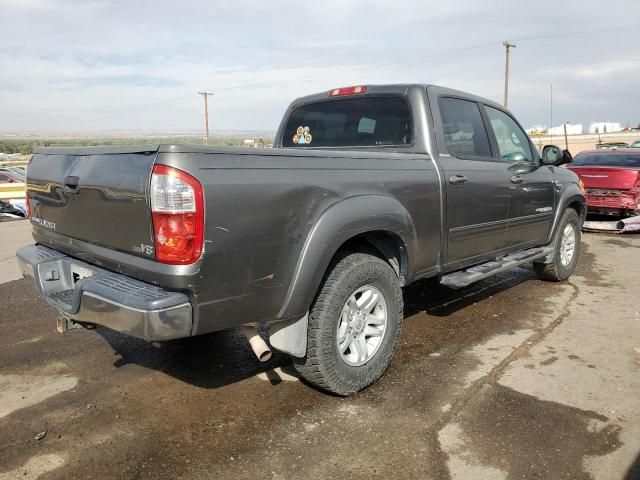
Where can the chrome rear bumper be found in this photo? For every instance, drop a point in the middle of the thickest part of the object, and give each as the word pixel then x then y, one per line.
pixel 88 294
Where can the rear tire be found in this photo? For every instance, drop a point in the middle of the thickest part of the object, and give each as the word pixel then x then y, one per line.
pixel 354 325
pixel 566 250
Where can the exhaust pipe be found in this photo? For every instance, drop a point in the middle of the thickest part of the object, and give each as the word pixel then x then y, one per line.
pixel 258 345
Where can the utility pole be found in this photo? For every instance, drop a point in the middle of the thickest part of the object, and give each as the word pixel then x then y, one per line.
pixel 551 124
pixel 205 95
pixel 507 47
pixel 566 141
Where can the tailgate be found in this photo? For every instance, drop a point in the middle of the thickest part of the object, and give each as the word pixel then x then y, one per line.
pixel 97 195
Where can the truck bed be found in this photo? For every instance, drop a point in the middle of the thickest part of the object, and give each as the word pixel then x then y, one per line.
pixel 263 208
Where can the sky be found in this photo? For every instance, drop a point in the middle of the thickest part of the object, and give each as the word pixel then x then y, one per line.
pixel 96 65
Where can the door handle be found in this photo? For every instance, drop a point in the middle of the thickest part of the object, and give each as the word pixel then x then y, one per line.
pixel 457 179
pixel 517 179
pixel 71 184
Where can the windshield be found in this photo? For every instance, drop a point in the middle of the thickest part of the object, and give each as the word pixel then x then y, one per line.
pixel 356 122
pixel 607 160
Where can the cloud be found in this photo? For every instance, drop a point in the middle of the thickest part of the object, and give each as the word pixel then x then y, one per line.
pixel 602 71
pixel 138 65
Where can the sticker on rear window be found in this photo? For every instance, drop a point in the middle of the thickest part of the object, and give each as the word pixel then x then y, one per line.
pixel 302 136
pixel 367 125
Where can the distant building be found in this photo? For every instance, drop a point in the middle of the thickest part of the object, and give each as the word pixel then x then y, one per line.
pixel 605 127
pixel 572 129
pixel 537 130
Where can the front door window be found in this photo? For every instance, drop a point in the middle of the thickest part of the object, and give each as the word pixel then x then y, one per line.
pixel 513 143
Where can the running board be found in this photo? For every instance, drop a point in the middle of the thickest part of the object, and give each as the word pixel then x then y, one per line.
pixel 479 272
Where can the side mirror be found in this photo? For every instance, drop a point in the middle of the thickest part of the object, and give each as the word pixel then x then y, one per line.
pixel 553 155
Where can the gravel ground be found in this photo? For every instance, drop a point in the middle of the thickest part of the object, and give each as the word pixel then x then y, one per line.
pixel 510 378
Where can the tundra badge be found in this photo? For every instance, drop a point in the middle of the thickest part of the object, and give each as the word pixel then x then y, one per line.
pixel 44 223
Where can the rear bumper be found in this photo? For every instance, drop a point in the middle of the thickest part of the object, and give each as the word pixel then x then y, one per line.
pixel 88 294
pixel 625 201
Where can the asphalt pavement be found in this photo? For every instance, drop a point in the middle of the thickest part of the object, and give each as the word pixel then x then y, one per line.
pixel 510 378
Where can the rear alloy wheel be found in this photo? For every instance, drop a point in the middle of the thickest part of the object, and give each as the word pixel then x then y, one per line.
pixel 362 326
pixel 354 325
pixel 566 250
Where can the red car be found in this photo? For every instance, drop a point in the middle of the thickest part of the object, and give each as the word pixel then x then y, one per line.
pixel 612 180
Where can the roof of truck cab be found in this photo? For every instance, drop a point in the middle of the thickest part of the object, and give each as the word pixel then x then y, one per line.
pixel 395 88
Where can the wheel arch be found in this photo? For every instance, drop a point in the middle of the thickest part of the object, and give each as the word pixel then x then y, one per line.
pixel 572 198
pixel 579 207
pixel 374 223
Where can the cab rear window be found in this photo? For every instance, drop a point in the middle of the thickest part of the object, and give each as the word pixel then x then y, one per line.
pixel 355 122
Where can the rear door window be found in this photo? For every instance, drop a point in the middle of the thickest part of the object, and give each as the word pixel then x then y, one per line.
pixel 464 133
pixel 367 121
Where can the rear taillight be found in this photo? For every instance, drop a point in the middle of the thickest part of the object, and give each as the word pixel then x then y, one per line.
pixel 177 209
pixel 27 202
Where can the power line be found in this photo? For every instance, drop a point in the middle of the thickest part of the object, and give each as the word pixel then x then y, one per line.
pixel 422 58
pixel 410 60
pixel 584 33
pixel 295 80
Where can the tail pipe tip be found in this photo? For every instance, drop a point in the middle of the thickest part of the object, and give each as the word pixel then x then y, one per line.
pixel 258 345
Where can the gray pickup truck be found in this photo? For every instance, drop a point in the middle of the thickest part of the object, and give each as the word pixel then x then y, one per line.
pixel 366 190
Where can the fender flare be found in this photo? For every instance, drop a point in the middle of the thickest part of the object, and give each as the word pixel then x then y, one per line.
pixel 571 194
pixel 338 224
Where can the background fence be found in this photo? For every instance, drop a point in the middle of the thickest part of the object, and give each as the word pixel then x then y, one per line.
pixel 578 143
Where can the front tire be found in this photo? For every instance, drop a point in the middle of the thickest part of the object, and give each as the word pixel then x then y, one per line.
pixel 354 325
pixel 566 251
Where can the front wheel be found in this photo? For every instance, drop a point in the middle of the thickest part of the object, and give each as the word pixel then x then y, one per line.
pixel 354 325
pixel 566 250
